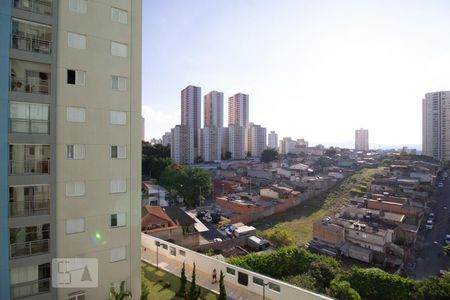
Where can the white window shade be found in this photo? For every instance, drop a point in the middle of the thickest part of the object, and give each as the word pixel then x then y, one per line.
pixel 118 186
pixel 119 49
pixel 78 6
pixel 19 110
pixel 75 189
pixel 119 15
pixel 75 40
pixel 76 114
pixel 119 83
pixel 74 225
pixel 80 77
pixel 119 152
pixel 76 151
pixel 118 118
pixel 118 254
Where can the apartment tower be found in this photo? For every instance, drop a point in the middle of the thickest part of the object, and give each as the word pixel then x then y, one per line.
pixel 238 110
pixel 436 125
pixel 213 109
pixel 191 111
pixel 182 145
pixel 70 144
pixel 362 140
pixel 210 143
pixel 273 140
pixel 255 139
pixel 236 141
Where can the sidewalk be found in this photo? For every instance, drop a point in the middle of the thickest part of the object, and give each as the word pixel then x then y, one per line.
pixel 202 279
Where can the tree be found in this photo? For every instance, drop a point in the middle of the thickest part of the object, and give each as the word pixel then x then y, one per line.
pixel 145 291
pixel 121 294
pixel 269 155
pixel 155 158
pixel 446 250
pixel 330 152
pixel 223 292
pixel 279 236
pixel 194 290
pixel 433 288
pixel 182 291
pixel 342 290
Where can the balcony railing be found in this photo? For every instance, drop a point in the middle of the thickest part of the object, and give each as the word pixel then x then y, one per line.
pixel 30 85
pixel 29 208
pixel 26 249
pixel 17 125
pixel 31 166
pixel 31 44
pixel 30 288
pixel 37 6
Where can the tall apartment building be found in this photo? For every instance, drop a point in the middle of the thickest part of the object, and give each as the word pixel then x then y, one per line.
pixel 167 138
pixel 225 140
pixel 238 110
pixel 182 146
pixel 255 139
pixel 362 140
pixel 211 143
pixel 191 97
pixel 70 144
pixel 213 109
pixel 287 145
pixel 436 125
pixel 236 141
pixel 273 140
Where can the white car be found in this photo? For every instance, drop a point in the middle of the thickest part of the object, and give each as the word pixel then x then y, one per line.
pixel 429 224
pixel 440 184
pixel 447 239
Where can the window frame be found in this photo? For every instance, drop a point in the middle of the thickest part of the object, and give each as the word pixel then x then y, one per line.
pixel 75 232
pixel 71 43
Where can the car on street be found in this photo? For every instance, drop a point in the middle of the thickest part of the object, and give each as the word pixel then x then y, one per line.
pixel 440 185
pixel 447 239
pixel 429 224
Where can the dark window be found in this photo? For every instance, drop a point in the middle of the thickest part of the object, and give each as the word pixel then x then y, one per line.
pixel 243 278
pixel 114 220
pixel 71 76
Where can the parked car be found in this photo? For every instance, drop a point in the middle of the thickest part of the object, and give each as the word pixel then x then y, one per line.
pixel 447 239
pixel 440 185
pixel 429 224
pixel 431 216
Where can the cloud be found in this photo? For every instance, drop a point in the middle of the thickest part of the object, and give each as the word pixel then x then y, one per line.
pixel 157 122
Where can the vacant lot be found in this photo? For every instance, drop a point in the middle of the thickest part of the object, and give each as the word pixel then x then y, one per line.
pixel 299 220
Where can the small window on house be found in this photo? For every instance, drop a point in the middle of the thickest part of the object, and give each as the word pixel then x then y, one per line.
pixel 119 83
pixel 74 225
pixel 76 114
pixel 231 271
pixel 118 152
pixel 75 40
pixel 118 186
pixel 118 118
pixel 119 15
pixel 118 220
pixel 75 151
pixel 76 77
pixel 118 254
pixel 258 281
pixel 78 6
pixel 173 251
pixel 182 252
pixel 164 246
pixel 274 287
pixel 119 49
pixel 75 189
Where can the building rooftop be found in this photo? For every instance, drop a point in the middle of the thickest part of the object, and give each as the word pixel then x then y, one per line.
pixel 179 216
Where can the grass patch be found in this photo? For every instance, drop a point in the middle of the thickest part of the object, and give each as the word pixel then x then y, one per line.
pixel 157 282
pixel 299 220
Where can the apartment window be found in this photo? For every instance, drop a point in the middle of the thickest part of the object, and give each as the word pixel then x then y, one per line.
pixel 80 295
pixel 258 281
pixel 231 271
pixel 118 220
pixel 118 118
pixel 78 6
pixel 119 152
pixel 76 77
pixel 76 114
pixel 75 151
pixel 74 225
pixel 119 49
pixel 28 117
pixel 75 40
pixel 118 186
pixel 119 15
pixel 119 83
pixel 118 254
pixel 75 189
pixel 274 287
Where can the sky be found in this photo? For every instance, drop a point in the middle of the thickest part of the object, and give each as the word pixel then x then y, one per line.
pixel 313 69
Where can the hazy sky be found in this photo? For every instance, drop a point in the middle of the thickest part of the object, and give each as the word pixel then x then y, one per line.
pixel 313 69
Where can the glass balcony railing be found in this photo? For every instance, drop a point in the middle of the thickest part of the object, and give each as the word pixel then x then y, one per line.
pixel 30 248
pixel 17 125
pixel 31 44
pixel 32 85
pixel 43 7
pixel 31 166
pixel 30 288
pixel 32 207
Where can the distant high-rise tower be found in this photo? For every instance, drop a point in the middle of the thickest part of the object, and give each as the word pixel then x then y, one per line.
pixel 182 145
pixel 167 138
pixel 213 109
pixel 273 140
pixel 238 110
pixel 436 125
pixel 210 143
pixel 362 139
pixel 236 141
pixel 255 139
pixel 191 111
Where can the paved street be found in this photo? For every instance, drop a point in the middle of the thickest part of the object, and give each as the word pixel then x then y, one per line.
pixel 430 260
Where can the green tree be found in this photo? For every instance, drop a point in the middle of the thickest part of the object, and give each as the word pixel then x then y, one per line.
pixel 342 290
pixel 279 236
pixel 145 291
pixel 306 281
pixel 269 155
pixel 155 158
pixel 121 294
pixel 446 250
pixel 194 290
pixel 433 288
pixel 182 291
pixel 223 292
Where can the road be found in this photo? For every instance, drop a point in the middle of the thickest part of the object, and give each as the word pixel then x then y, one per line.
pixel 430 259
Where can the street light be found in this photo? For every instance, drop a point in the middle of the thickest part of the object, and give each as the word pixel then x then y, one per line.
pixel 264 290
pixel 157 243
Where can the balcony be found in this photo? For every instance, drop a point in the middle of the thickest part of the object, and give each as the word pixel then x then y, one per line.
pixel 31 44
pixel 29 77
pixel 17 125
pixel 31 85
pixel 30 166
pixel 30 288
pixel 30 248
pixel 34 207
pixel 42 7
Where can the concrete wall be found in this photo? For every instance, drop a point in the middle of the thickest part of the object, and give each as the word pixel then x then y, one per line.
pixel 208 264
